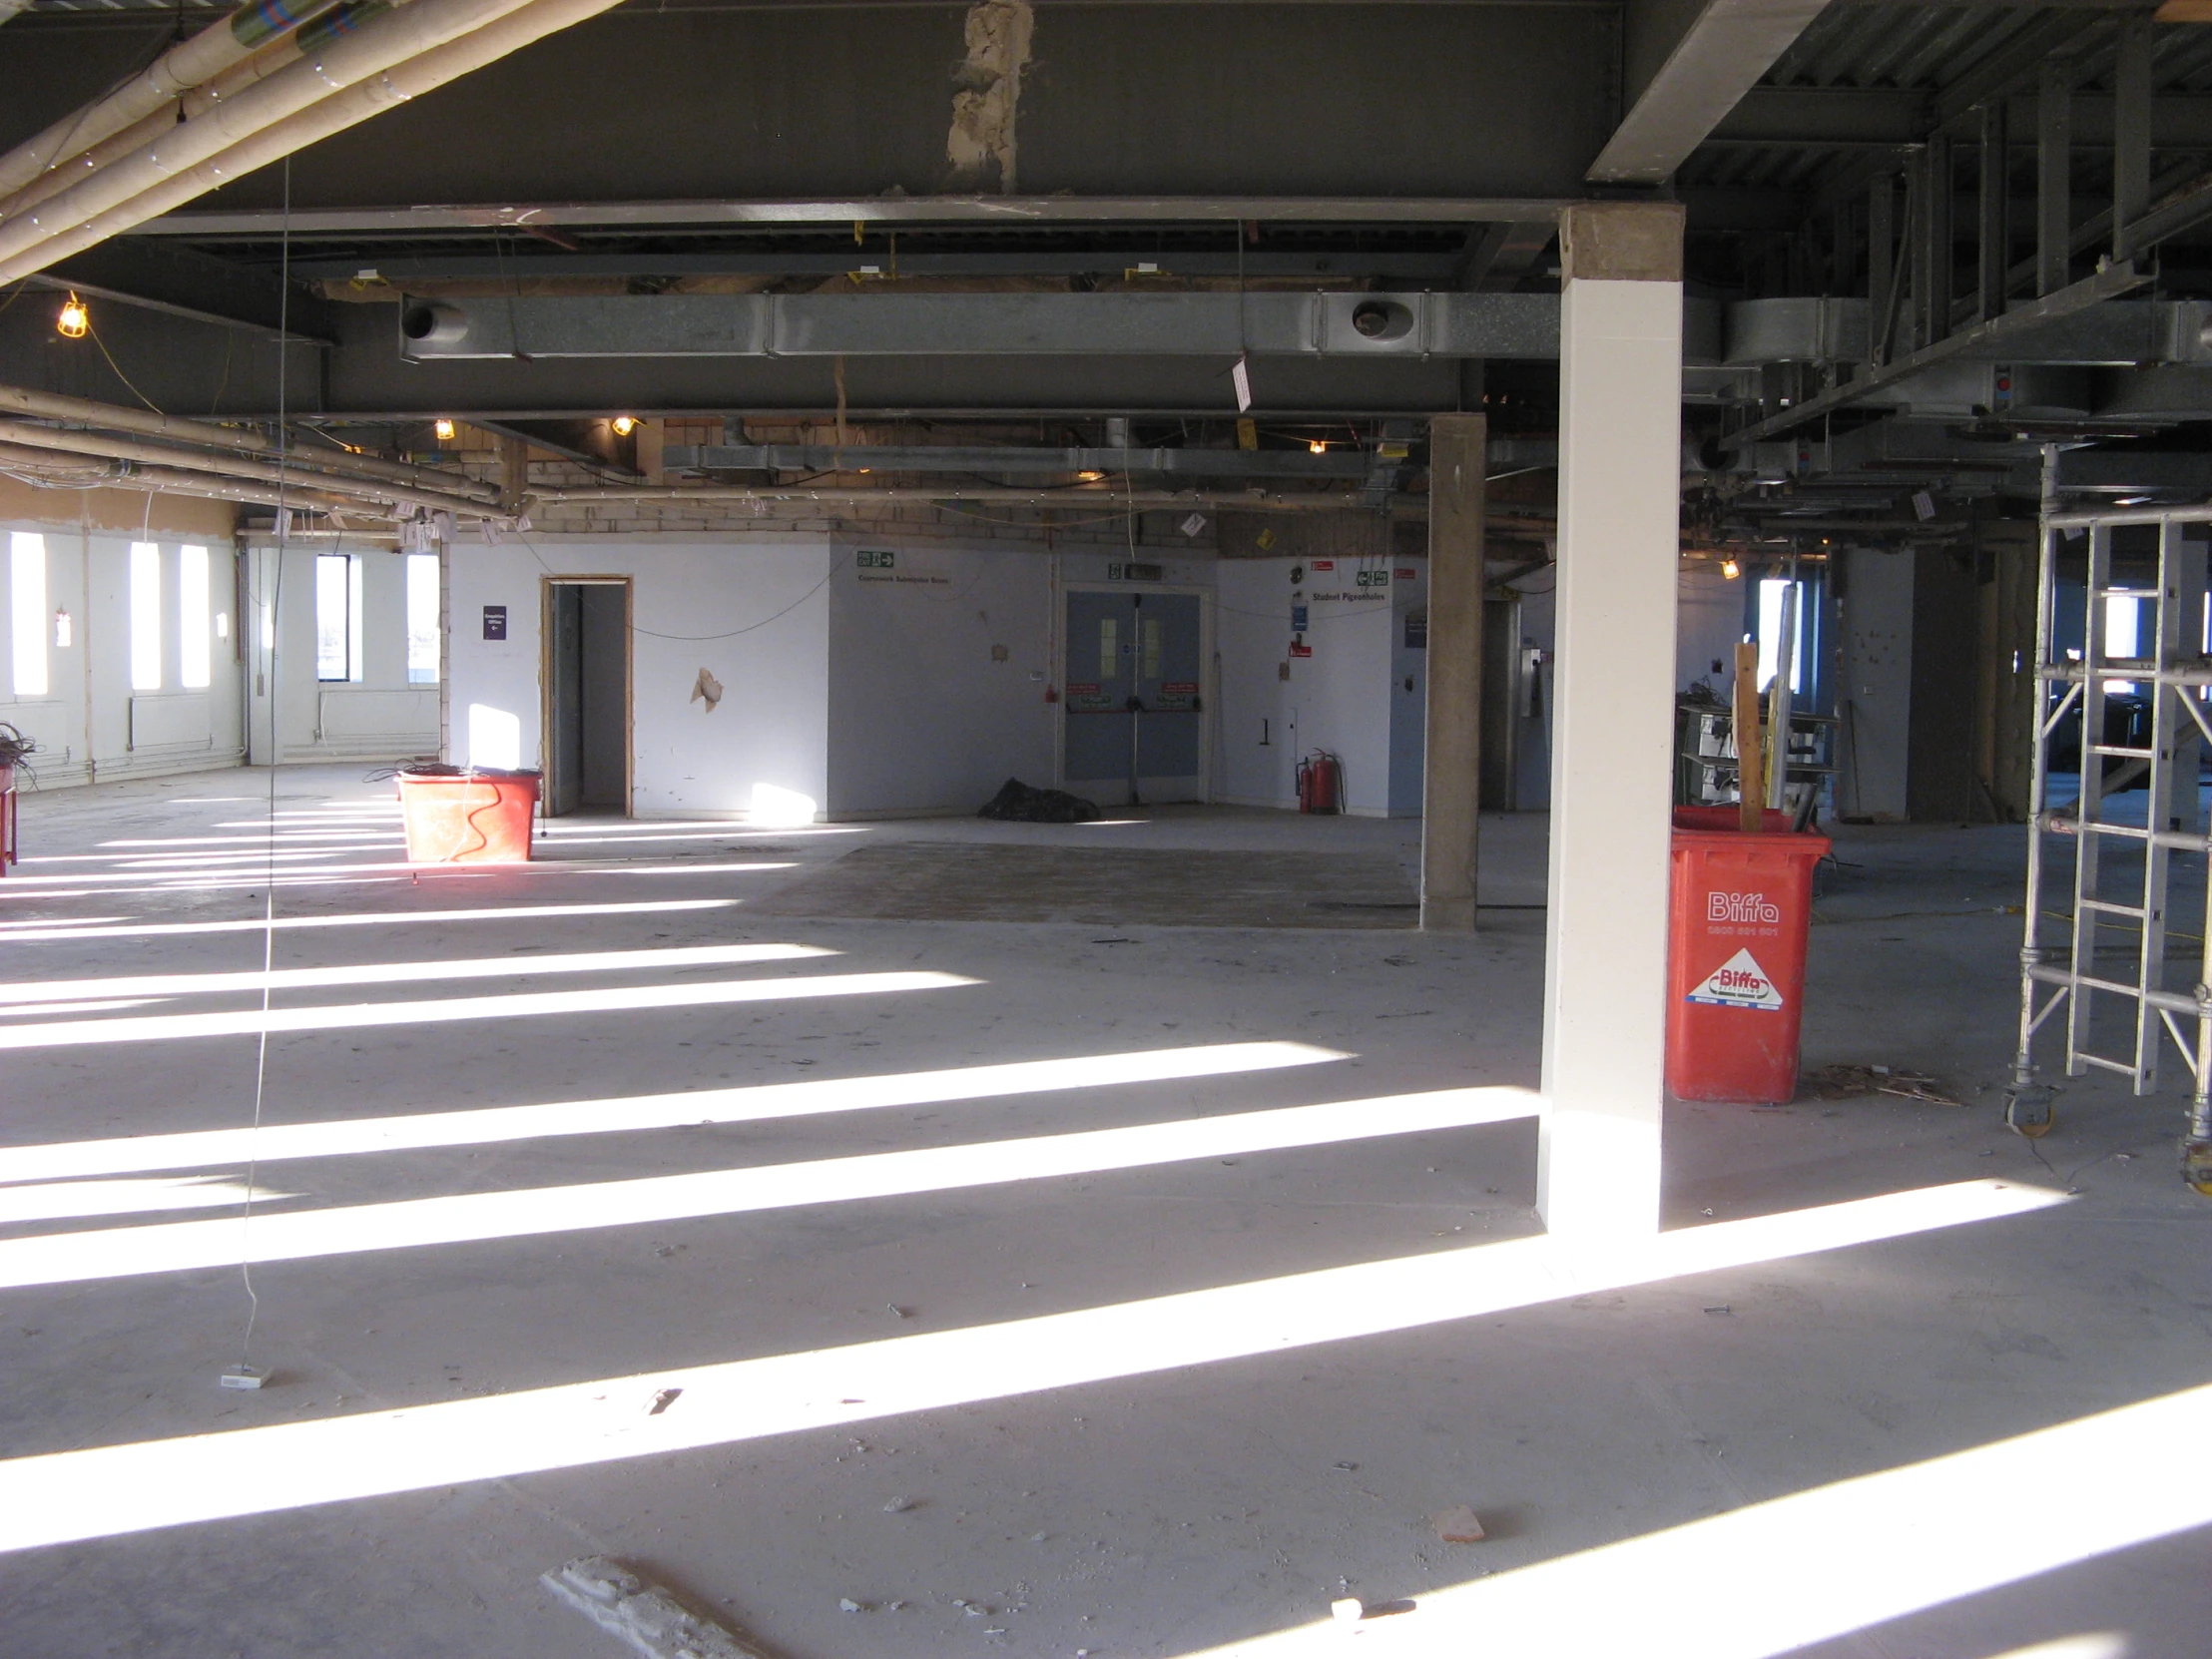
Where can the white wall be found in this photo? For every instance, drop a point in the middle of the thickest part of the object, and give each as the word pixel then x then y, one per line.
pixel 1341 699
pixel 380 716
pixel 1709 620
pixel 923 715
pixel 91 724
pixel 755 613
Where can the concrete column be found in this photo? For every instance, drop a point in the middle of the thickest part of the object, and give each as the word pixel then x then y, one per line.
pixel 1451 768
pixel 1612 769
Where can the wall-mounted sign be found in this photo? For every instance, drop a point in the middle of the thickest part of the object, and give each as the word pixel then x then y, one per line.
pixel 1297 619
pixel 1371 578
pixel 1416 630
pixel 1177 688
pixel 1134 573
pixel 495 622
pixel 1406 573
pixel 878 559
pixel 1298 649
pixel 1325 564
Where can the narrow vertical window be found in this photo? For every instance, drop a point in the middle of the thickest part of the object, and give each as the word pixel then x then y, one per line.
pixel 333 619
pixel 422 619
pixel 1152 648
pixel 1771 591
pixel 355 564
pixel 146 617
pixel 195 618
pixel 27 611
pixel 1109 648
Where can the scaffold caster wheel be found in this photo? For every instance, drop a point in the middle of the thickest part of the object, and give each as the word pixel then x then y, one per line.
pixel 2029 1111
pixel 2196 1164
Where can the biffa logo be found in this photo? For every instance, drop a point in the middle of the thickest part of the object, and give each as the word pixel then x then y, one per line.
pixel 1739 982
pixel 1741 906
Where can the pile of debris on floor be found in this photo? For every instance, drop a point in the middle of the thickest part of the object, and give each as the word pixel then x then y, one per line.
pixel 1848 1082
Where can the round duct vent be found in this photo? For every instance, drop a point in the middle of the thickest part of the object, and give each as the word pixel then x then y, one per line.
pixel 434 324
pixel 1381 319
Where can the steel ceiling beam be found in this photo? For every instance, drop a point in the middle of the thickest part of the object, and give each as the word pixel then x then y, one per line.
pixel 2118 278
pixel 1686 74
pixel 1342 463
pixel 308 222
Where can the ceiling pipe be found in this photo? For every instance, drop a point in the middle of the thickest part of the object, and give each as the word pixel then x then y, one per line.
pixel 339 20
pixel 47 405
pixel 262 138
pixel 175 72
pixel 23 435
pixel 382 43
pixel 56 471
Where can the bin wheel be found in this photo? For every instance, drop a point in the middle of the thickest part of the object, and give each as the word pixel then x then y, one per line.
pixel 2030 1112
pixel 2196 1164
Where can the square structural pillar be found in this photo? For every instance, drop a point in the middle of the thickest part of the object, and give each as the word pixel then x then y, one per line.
pixel 1613 692
pixel 1451 766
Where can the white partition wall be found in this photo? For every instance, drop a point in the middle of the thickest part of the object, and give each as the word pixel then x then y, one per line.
pixel 1620 376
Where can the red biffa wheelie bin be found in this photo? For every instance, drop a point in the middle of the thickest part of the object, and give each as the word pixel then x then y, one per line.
pixel 1736 955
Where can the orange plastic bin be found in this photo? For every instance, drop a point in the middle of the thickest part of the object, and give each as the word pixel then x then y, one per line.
pixel 1741 904
pixel 476 817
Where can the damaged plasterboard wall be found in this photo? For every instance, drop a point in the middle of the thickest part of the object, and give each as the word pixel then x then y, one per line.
pixel 981 145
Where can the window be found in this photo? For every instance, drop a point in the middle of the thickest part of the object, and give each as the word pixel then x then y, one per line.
pixel 422 619
pixel 195 618
pixel 338 616
pixel 1770 591
pixel 2123 634
pixel 145 616
pixel 1109 648
pixel 27 611
pixel 1151 667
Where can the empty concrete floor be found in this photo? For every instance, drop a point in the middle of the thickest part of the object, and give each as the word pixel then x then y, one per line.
pixel 1163 1482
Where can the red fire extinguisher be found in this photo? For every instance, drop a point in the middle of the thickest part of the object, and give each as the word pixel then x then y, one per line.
pixel 1319 777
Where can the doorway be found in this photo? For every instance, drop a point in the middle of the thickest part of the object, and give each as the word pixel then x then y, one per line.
pixel 1134 730
pixel 587 694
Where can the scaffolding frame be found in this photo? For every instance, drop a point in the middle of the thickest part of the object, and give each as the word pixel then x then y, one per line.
pixel 2174 672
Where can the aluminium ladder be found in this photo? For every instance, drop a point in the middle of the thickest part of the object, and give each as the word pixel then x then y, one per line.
pixel 2114 910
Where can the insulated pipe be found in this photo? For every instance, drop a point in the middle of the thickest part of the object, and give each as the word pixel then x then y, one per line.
pixel 30 239
pixel 180 69
pixel 23 433
pixel 47 405
pixel 334 115
pixel 167 480
pixel 339 20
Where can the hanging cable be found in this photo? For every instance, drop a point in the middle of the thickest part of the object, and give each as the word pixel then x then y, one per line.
pixel 247 1376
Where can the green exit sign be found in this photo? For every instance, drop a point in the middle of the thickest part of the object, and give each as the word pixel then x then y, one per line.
pixel 881 560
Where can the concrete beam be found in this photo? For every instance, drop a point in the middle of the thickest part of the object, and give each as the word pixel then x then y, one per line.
pixel 1452 775
pixel 1687 68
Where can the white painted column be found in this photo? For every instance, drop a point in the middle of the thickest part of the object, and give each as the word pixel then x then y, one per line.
pixel 1620 421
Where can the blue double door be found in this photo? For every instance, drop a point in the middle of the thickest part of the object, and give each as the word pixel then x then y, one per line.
pixel 1134 720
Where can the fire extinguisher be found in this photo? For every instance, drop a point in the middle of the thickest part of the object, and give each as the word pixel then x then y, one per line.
pixel 1318 778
